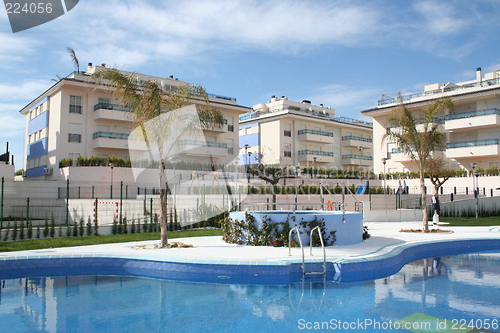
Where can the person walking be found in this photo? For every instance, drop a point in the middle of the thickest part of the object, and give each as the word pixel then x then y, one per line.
pixel 436 208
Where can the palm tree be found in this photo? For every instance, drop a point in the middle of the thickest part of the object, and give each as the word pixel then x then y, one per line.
pixel 418 137
pixel 151 106
pixel 74 59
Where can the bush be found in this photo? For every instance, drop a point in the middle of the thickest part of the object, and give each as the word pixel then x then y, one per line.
pixel 65 162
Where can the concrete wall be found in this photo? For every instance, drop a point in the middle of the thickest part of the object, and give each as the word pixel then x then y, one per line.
pixel 391 215
pixel 468 207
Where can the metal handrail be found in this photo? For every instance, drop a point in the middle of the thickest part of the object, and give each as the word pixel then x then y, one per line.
pixel 322 246
pixel 296 229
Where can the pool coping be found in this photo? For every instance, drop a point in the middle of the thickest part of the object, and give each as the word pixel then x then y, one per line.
pixel 382 261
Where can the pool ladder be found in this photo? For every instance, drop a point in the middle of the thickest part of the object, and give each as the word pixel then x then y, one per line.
pixel 306 273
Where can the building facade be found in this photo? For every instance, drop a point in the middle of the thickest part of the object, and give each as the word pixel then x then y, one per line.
pixel 472 129
pixel 287 133
pixel 77 117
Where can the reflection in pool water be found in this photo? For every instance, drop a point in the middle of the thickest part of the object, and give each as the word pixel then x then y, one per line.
pixel 440 291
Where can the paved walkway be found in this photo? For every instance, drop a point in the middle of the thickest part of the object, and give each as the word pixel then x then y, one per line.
pixel 385 238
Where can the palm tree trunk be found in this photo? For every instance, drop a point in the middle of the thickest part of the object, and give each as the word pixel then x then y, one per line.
pixel 425 218
pixel 163 206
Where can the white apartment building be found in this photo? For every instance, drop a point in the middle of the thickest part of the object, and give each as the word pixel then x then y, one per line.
pixel 287 133
pixel 472 130
pixel 77 117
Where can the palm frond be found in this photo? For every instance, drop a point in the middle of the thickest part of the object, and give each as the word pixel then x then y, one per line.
pixel 74 58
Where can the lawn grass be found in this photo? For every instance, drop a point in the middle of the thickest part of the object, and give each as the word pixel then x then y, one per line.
pixel 36 244
pixel 471 221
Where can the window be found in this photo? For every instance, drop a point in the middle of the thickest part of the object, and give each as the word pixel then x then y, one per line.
pixel 74 137
pixel 230 146
pixel 105 101
pixel 75 104
pixel 74 132
pixel 230 124
pixel 73 156
pixel 287 133
pixel 287 153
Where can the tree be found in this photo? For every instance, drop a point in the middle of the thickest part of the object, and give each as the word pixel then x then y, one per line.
pixel 437 171
pixel 418 136
pixel 269 174
pixel 152 107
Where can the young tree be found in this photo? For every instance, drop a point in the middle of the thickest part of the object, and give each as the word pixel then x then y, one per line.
pixel 271 175
pixel 418 136
pixel 437 171
pixel 156 112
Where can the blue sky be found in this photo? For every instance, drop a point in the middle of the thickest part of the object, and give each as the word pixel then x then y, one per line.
pixel 343 54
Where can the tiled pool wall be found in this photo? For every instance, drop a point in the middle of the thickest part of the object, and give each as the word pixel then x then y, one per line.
pixel 238 272
pixel 348 226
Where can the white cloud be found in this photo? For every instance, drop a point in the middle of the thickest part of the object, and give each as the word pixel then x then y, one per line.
pixel 453 29
pixel 11 121
pixel 14 48
pixel 27 89
pixel 440 18
pixel 351 97
pixel 137 31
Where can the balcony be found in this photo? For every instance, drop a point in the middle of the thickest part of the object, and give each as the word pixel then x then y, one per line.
pixel 354 121
pixel 203 148
pixel 354 141
pixel 309 155
pixel 315 136
pixel 478 118
pixel 362 160
pixel 112 112
pixel 110 140
pixel 216 128
pixel 399 156
pixel 489 147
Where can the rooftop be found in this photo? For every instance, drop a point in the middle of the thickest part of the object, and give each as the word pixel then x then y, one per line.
pixel 279 106
pixel 431 91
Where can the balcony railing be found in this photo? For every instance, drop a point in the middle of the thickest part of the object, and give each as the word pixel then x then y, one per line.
pixel 202 143
pixel 309 131
pixel 315 152
pixel 470 114
pixel 463 144
pixel 359 157
pixel 357 138
pixel 353 121
pixel 404 98
pixel 399 150
pixel 111 135
pixel 108 106
pixel 222 97
pixel 254 114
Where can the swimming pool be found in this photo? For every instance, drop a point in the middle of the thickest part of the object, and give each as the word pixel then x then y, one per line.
pixel 425 295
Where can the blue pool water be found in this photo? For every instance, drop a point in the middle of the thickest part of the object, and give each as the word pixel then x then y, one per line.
pixel 426 295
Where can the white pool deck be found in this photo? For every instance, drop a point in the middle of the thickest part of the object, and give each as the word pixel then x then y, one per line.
pixel 385 237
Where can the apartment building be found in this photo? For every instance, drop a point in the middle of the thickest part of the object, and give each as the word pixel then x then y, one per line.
pixel 288 133
pixel 472 130
pixel 77 117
